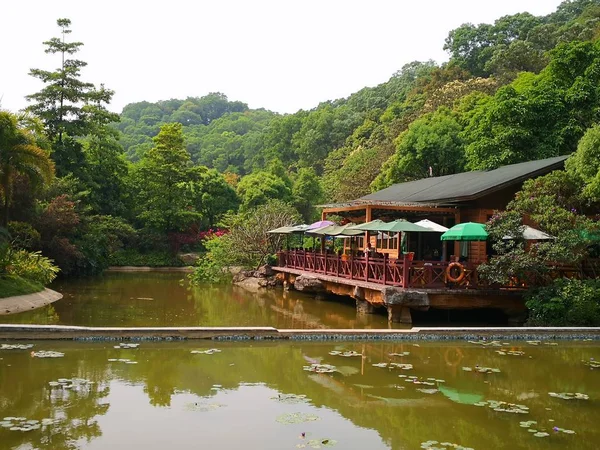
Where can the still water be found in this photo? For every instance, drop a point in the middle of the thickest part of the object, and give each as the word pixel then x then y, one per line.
pixel 254 395
pixel 166 299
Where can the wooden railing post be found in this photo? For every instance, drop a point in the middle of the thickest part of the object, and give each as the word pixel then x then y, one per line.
pixel 405 270
pixel 304 262
pixel 385 267
pixel 351 266
pixel 367 266
pixel 337 268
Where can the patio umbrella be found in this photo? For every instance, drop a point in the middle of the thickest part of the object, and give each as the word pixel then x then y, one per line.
pixel 335 230
pixel 289 229
pixel 432 225
pixel 402 225
pixel 468 231
pixel 532 234
pixel 320 224
pixel 373 225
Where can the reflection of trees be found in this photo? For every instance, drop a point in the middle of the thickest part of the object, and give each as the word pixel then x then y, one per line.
pixel 365 395
pixel 29 395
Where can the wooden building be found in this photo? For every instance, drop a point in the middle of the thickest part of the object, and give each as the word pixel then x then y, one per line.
pixel 447 200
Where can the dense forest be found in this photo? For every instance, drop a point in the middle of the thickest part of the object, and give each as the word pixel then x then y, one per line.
pixel 88 188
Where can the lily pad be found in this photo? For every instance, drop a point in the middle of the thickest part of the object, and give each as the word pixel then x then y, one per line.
pixel 16 346
pixel 569 395
pixel 210 351
pixel 291 399
pixel 297 417
pixel 401 354
pixel 320 368
pixel 47 354
pixel 126 345
pixel 346 354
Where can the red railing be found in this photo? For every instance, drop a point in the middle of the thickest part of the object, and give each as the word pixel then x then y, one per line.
pixel 391 272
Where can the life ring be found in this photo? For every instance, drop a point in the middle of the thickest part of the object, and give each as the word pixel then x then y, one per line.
pixel 458 358
pixel 451 274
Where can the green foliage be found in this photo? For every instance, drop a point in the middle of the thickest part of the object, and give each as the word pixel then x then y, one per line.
pixel 585 163
pixel 24 236
pixel 133 257
pixel 30 265
pixel 248 242
pixel 306 193
pixel 213 266
pixel 260 187
pixel 20 155
pixel 159 181
pixel 566 302
pixel 12 285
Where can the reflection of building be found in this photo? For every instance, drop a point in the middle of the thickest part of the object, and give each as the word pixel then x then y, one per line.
pixel 447 200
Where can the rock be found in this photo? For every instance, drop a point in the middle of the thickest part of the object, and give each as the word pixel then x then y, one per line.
pixel 308 284
pixel 265 271
pixel 188 259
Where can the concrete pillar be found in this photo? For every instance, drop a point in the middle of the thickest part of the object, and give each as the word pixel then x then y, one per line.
pixel 363 307
pixel 399 314
pixel 516 318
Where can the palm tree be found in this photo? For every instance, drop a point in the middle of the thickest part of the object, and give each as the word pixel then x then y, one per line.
pixel 20 154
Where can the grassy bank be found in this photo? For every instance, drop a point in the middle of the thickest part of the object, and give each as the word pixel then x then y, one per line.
pixel 11 285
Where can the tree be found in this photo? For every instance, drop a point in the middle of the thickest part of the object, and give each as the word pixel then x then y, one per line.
pixel 585 163
pixel 160 180
pixel 260 187
pixel 68 106
pixel 20 154
pixel 306 193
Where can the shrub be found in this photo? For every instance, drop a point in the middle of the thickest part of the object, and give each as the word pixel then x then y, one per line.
pixel 32 266
pixel 24 236
pixel 212 267
pixel 133 257
pixel 565 302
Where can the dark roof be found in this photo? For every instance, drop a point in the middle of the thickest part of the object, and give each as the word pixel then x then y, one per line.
pixel 459 187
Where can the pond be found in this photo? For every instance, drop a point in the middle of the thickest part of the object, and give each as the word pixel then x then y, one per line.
pixel 167 299
pixel 258 395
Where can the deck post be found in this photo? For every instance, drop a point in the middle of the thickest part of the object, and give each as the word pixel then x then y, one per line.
pixel 405 270
pixel 351 266
pixel 304 265
pixel 399 314
pixel 385 267
pixel 337 267
pixel 367 266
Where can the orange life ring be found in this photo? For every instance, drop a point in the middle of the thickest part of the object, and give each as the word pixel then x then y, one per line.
pixel 452 267
pixel 457 359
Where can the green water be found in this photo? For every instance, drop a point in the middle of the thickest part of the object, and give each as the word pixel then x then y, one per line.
pixel 232 399
pixel 166 299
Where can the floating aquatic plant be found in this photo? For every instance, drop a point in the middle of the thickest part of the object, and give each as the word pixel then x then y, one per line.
pixel 592 363
pixel 534 342
pixel 125 360
pixel 435 445
pixel 428 391
pixel 16 346
pixel 569 395
pixel 500 406
pixel 394 365
pixel 527 424
pixel 318 443
pixel 541 434
pixel 320 368
pixel 297 417
pixel 481 369
pixel 210 351
pixel 125 345
pixel 347 354
pixel 487 343
pixel 291 399
pixel 510 352
pixel 47 354
pixel 400 354
pixel 562 430
pixel 23 424
pixel 203 407
pixel 70 383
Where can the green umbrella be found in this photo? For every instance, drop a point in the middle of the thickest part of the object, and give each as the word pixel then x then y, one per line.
pixel 402 225
pixel 469 231
pixel 373 225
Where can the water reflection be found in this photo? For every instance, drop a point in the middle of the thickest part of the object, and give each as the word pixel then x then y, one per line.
pixel 183 400
pixel 164 299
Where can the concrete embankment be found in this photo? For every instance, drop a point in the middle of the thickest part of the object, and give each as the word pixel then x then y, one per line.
pixel 27 332
pixel 20 303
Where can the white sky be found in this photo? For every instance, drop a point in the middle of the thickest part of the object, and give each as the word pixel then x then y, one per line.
pixel 281 55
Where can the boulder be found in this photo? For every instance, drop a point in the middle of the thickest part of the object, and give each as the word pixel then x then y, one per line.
pixel 305 283
pixel 189 259
pixel 265 271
